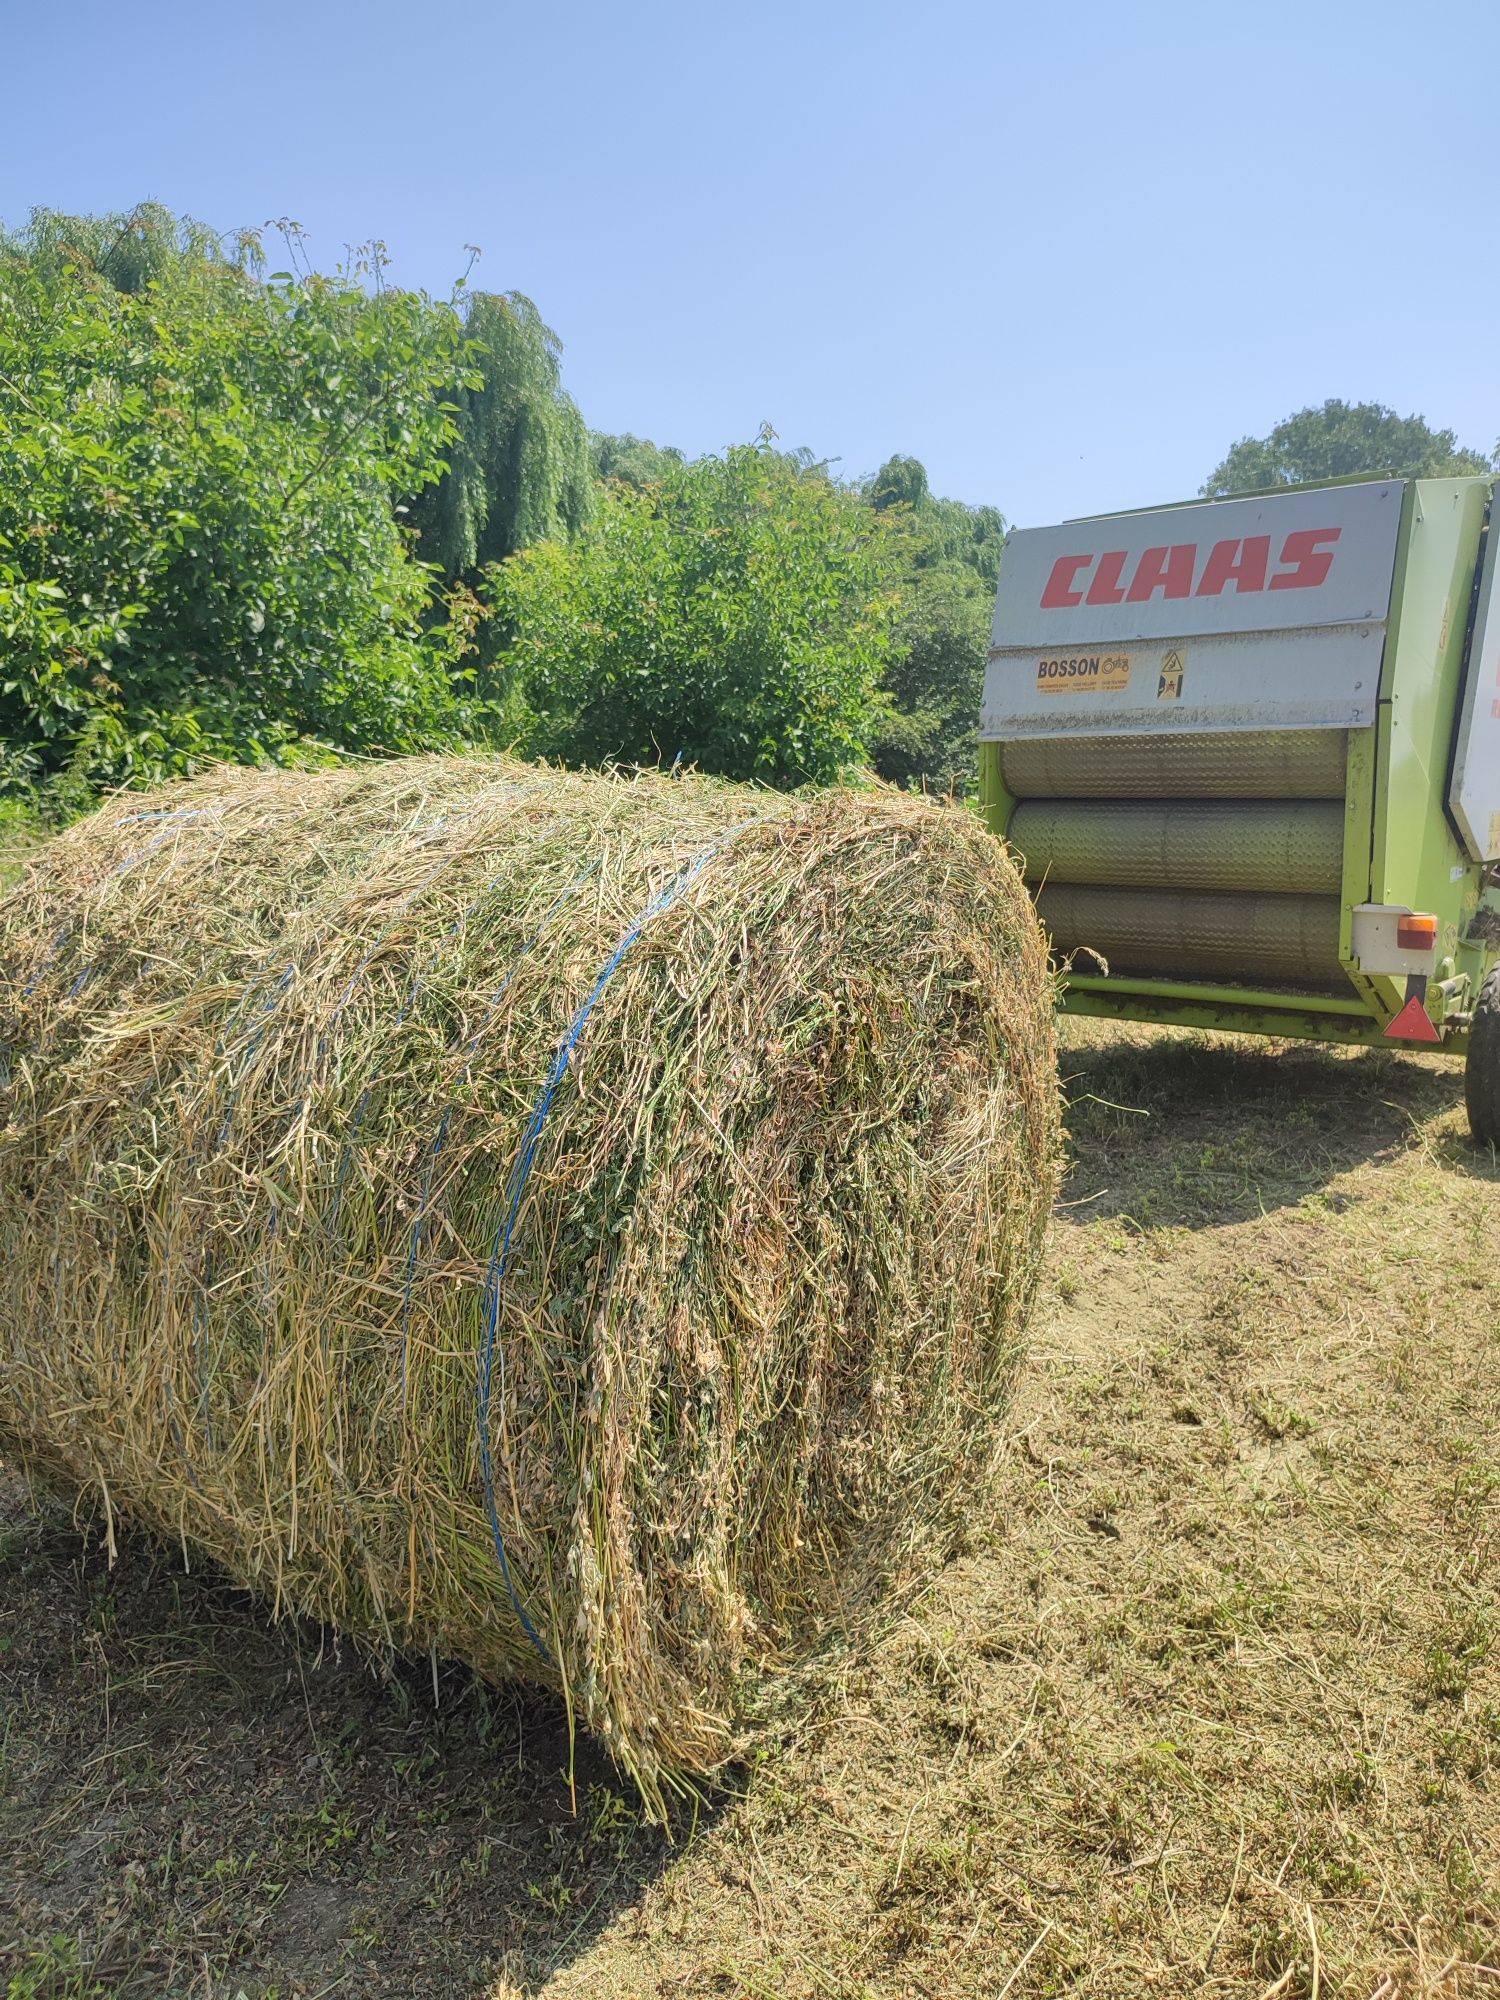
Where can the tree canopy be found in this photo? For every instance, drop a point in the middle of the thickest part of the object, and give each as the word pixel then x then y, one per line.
pixel 948 563
pixel 636 461
pixel 1336 440
pixel 131 250
pixel 519 466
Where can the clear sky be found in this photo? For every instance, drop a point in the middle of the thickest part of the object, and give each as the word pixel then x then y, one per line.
pixel 1065 255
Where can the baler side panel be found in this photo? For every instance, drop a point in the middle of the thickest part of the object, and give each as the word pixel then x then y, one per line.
pixel 1239 615
pixel 1416 861
pixel 1474 792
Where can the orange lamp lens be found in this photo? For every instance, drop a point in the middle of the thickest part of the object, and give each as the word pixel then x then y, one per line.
pixel 1416 933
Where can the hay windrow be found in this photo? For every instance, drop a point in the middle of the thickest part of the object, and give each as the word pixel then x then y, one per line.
pixel 584 1225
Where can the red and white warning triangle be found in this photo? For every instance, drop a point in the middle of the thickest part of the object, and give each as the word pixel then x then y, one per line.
pixel 1413 1024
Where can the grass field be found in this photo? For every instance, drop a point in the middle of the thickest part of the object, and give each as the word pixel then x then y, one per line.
pixel 18 834
pixel 1210 1704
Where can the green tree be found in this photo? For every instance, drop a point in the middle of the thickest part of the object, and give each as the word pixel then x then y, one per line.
pixel 198 553
pixel 940 635
pixel 942 530
pixel 949 562
pixel 518 463
pixel 519 468
pixel 133 249
pixel 900 482
pixel 736 614
pixel 1337 440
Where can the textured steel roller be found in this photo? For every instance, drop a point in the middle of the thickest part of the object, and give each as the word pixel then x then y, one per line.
pixel 1165 933
pixel 1231 764
pixel 1294 847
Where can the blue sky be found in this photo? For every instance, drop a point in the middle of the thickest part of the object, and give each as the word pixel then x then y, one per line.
pixel 1063 255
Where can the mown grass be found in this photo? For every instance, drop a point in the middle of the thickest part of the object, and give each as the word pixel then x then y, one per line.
pixel 20 830
pixel 1209 1705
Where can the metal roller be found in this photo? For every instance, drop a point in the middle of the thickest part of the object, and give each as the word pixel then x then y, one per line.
pixel 1231 764
pixel 1169 934
pixel 1289 847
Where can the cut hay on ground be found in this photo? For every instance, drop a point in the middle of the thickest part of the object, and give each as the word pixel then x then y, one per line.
pixel 582 1226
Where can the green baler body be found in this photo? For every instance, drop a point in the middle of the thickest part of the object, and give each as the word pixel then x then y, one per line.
pixel 1207 872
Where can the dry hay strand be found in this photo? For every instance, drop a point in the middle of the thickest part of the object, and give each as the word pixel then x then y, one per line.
pixel 583 1225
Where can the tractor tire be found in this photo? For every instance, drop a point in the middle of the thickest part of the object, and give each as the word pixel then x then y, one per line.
pixel 1482 1068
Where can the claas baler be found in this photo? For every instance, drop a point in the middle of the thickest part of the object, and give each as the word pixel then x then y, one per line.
pixel 1248 751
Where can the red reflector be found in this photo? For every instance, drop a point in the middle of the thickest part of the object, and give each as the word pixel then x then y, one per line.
pixel 1416 933
pixel 1413 1024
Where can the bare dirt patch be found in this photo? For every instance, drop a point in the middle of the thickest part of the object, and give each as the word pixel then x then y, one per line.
pixel 1210 1704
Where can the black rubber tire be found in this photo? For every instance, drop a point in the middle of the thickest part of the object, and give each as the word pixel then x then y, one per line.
pixel 1482 1069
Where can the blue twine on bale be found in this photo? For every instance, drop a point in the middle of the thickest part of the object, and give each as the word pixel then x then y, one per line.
pixel 435 1150
pixel 516 1187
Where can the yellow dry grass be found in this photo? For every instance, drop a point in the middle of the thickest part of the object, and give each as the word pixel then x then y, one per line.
pixel 578 1225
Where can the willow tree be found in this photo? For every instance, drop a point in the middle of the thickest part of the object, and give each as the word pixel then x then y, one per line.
pixel 519 470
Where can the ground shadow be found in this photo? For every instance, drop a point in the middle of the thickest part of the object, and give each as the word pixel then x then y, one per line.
pixel 1190 1131
pixel 196 1801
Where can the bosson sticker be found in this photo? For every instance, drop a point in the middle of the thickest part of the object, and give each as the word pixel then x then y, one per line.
pixel 1073 673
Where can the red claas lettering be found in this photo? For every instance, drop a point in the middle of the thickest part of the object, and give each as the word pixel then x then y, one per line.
pixel 1106 588
pixel 1244 564
pixel 1305 559
pixel 1059 591
pixel 1310 564
pixel 1169 571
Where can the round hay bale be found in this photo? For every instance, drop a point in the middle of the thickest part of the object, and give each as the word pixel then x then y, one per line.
pixel 581 1224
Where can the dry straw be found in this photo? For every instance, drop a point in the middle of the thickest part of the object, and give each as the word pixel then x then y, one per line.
pixel 580 1224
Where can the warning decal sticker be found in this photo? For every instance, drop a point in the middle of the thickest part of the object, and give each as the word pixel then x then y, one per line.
pixel 1169 680
pixel 1077 673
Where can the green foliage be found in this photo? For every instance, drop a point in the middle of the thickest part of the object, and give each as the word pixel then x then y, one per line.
pixel 131 251
pixel 519 466
pixel 943 531
pixel 929 735
pixel 636 461
pixel 225 502
pixel 900 482
pixel 1337 440
pixel 198 554
pixel 736 614
pixel 950 561
pixel 20 828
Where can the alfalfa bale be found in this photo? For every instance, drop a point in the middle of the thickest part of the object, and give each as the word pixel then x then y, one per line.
pixel 583 1225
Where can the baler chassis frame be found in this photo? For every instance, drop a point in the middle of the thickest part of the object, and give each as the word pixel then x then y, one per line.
pixel 1238 1010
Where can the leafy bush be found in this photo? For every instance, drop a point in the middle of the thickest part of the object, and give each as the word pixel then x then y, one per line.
pixel 736 613
pixel 198 550
pixel 930 733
